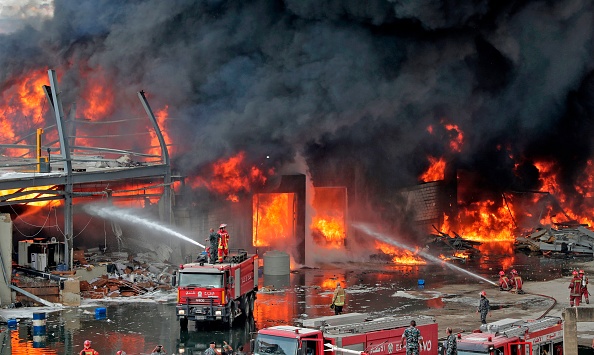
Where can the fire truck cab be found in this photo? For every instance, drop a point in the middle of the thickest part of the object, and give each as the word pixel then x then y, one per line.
pixel 354 333
pixel 515 337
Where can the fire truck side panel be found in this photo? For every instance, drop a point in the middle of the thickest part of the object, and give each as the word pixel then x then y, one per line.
pixel 244 274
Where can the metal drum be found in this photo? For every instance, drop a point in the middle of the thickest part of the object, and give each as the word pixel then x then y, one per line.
pixel 277 263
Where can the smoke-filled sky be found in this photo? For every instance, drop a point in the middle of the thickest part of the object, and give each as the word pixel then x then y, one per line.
pixel 352 86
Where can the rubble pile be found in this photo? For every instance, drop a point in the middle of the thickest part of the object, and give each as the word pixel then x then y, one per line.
pixel 126 279
pixel 564 239
pixel 452 248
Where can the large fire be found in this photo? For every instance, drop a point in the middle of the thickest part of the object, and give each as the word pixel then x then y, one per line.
pixel 273 219
pixel 231 176
pixel 400 256
pixel 328 224
pixel 436 170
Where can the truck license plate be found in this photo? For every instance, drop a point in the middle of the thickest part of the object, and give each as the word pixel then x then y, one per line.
pixel 200 318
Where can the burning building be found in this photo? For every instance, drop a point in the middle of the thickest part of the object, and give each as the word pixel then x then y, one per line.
pixel 375 97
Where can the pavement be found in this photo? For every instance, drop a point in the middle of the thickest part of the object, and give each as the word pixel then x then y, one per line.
pixel 459 303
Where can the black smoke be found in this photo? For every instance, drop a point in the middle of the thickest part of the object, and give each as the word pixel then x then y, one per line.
pixel 352 86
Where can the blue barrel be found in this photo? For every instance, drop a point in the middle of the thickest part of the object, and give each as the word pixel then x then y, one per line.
pixel 100 313
pixel 39 341
pixel 12 323
pixel 38 323
pixel 421 282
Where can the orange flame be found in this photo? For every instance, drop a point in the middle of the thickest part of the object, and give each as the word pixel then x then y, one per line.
pixel 457 137
pixel 328 223
pixel 400 256
pixel 273 222
pixel 31 195
pixel 155 149
pixel 231 176
pixel 483 221
pixel 97 95
pixel 22 111
pixel 436 170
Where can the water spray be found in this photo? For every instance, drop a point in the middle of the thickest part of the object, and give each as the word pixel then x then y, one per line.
pixel 128 216
pixel 384 238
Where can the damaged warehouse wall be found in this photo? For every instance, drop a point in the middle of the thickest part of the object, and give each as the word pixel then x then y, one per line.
pixel 5 258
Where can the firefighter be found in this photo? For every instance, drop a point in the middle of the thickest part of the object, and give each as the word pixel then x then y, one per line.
pixel 504 283
pixel 158 350
pixel 213 238
pixel 223 242
pixel 87 350
pixel 484 307
pixel 517 283
pixel 413 339
pixel 575 287
pixel 338 299
pixel 585 286
pixel 451 345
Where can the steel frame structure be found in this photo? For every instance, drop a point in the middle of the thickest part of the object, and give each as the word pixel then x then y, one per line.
pixel 66 179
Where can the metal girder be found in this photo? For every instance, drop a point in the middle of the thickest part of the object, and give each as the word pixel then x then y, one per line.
pixel 86 177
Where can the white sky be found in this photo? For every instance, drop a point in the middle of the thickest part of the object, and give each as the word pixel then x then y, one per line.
pixel 14 14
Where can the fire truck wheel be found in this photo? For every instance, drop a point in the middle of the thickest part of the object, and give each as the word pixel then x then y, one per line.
pixel 183 323
pixel 252 300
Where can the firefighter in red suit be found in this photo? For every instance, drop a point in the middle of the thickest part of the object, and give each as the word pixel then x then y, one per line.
pixel 223 242
pixel 87 350
pixel 516 282
pixel 504 283
pixel 585 286
pixel 575 287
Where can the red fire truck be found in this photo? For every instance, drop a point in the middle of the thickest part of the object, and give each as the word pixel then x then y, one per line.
pixel 355 333
pixel 217 292
pixel 515 336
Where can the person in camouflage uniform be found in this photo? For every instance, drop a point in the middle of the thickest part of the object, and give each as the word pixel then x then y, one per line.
pixel 213 238
pixel 451 345
pixel 484 307
pixel 413 339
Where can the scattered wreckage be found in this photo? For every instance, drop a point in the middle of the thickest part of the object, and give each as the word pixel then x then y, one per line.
pixel 455 248
pixel 563 239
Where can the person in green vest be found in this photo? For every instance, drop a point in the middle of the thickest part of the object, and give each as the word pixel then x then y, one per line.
pixel 338 299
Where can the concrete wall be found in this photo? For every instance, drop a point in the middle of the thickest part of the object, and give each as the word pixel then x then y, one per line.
pixel 571 316
pixel 6 257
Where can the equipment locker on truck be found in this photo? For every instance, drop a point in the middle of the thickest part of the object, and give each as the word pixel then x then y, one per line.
pixel 514 336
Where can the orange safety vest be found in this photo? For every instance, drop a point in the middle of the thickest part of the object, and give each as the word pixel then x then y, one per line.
pixel 223 240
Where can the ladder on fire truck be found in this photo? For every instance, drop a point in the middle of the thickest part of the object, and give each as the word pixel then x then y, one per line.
pixel 516 327
pixel 377 324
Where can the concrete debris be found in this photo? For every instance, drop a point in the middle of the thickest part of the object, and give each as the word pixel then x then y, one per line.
pixel 117 274
pixel 565 239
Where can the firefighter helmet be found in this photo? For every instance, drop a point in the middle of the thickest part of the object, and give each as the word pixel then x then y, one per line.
pixel 87 343
pixel 501 272
pixel 223 225
pixel 574 272
pixel 514 271
pixel 483 293
pixel 581 271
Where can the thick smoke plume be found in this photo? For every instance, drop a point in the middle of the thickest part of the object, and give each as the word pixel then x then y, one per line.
pixel 351 85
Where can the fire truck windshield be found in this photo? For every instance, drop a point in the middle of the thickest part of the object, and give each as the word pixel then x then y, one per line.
pixel 191 279
pixel 269 344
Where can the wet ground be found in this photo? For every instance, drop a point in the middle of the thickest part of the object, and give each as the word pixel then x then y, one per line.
pixel 136 326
